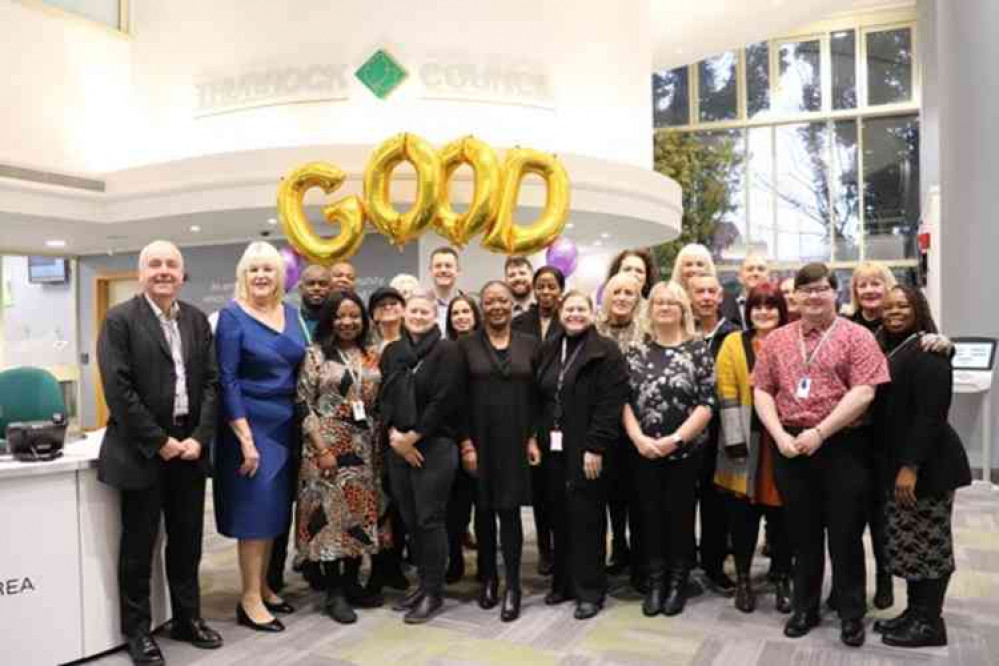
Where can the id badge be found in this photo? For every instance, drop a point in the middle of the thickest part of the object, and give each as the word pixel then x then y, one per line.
pixel 555 439
pixel 358 408
pixel 804 388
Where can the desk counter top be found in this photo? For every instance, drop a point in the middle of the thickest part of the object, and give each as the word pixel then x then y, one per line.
pixel 77 455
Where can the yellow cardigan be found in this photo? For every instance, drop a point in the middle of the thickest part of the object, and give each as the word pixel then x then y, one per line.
pixel 735 399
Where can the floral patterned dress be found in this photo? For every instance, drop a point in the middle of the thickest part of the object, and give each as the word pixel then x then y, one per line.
pixel 339 508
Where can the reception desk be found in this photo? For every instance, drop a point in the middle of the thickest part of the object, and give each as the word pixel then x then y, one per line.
pixel 59 558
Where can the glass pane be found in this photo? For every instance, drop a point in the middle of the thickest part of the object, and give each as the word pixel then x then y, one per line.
pixel 716 87
pixel 891 187
pixel 889 66
pixel 846 191
pixel 727 150
pixel 757 78
pixel 843 46
pixel 760 179
pixel 800 85
pixel 670 98
pixel 802 192
pixel 102 11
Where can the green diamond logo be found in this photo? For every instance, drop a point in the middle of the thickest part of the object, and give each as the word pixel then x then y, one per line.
pixel 381 74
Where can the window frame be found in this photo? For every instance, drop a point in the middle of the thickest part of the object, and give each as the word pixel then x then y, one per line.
pixel 123 29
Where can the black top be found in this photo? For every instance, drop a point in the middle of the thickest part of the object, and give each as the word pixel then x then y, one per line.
pixel 433 370
pixel 667 385
pixel 530 323
pixel 733 308
pixel 501 414
pixel 871 325
pixel 594 391
pixel 714 339
pixel 912 419
pixel 138 376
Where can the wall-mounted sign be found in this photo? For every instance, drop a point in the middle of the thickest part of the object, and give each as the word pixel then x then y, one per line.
pixel 268 87
pixel 488 81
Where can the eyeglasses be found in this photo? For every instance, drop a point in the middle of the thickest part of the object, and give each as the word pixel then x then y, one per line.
pixel 814 291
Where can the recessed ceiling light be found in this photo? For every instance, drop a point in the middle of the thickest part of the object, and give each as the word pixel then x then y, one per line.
pixel 570 226
pixel 55 243
pixel 597 243
pixel 605 235
pixel 195 228
pixel 272 221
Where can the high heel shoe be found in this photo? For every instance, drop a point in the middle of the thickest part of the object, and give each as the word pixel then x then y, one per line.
pixel 243 619
pixel 489 594
pixel 511 605
pixel 282 607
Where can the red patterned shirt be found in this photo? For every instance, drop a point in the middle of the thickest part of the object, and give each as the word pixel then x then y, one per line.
pixel 849 357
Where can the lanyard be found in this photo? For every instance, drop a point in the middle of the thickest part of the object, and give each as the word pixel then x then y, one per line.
pixel 903 344
pixel 562 370
pixel 808 358
pixel 355 375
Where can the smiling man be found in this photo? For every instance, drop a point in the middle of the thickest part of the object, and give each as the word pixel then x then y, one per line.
pixel 753 272
pixel 160 380
pixel 444 273
pixel 518 272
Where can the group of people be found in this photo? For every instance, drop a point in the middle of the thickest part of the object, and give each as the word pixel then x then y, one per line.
pixel 369 427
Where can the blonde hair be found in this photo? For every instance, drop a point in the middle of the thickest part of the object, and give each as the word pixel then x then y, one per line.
pixel 678 293
pixel 610 286
pixel 260 251
pixel 690 250
pixel 404 283
pixel 868 269
pixel 421 294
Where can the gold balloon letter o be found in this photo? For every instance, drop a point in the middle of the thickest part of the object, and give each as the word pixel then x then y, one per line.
pixel 398 227
pixel 347 212
pixel 506 236
pixel 460 228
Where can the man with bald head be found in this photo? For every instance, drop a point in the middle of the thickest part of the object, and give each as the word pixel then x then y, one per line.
pixel 160 382
pixel 754 271
pixel 314 286
pixel 343 277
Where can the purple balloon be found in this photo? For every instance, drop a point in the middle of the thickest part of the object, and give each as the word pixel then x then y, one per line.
pixel 292 267
pixel 562 255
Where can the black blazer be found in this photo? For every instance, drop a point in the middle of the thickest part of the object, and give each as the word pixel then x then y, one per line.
pixel 439 384
pixel 530 323
pixel 731 310
pixel 138 377
pixel 912 417
pixel 595 389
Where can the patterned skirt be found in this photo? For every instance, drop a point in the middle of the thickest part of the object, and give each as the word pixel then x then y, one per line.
pixel 920 540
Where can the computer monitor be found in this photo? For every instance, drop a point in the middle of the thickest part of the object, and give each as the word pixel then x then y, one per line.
pixel 974 354
pixel 53 270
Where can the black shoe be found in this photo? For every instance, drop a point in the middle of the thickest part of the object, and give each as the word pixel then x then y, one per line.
pixel 720 583
pixel 511 605
pixel 884 593
pixel 409 601
pixel 782 594
pixel 489 594
pixel 426 608
pixel 800 623
pixel 653 604
pixel 851 632
pixel 676 594
pixel 361 597
pixel 745 598
pixel 556 597
pixel 619 561
pixel 338 608
pixel 455 569
pixel 585 610
pixel 918 633
pixel 893 624
pixel 197 633
pixel 832 601
pixel 313 574
pixel 144 650
pixel 244 620
pixel 692 588
pixel 282 607
pixel 545 564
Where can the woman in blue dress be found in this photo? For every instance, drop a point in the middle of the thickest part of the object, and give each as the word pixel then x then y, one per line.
pixel 260 343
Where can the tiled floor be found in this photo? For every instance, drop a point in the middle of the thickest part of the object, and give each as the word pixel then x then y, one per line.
pixel 710 631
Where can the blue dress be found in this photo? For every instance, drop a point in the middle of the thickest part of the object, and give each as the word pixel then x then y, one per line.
pixel 258 373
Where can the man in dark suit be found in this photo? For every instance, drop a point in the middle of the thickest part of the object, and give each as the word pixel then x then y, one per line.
pixel 754 271
pixel 160 382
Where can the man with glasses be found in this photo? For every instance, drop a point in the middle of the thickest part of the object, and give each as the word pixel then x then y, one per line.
pixel 814 380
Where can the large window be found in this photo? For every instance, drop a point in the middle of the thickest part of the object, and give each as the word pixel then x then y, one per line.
pixel 823 131
pixel 112 13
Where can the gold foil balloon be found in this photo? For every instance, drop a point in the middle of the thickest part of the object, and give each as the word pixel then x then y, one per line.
pixel 459 228
pixel 347 212
pixel 400 228
pixel 510 238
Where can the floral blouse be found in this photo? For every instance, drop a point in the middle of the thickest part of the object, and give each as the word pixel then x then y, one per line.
pixel 667 384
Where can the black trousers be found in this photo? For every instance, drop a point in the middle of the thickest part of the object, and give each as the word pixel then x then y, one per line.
pixel 178 494
pixel 827 492
pixel 421 494
pixel 714 515
pixel 459 511
pixel 667 491
pixel 578 513
pixel 877 515
pixel 511 538
pixel 618 466
pixel 539 505
pixel 745 527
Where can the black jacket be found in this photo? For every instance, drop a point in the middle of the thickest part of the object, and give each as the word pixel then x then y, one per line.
pixel 731 310
pixel 595 389
pixel 912 419
pixel 530 323
pixel 438 384
pixel 138 377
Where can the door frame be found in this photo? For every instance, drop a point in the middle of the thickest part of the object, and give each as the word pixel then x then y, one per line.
pixel 102 300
